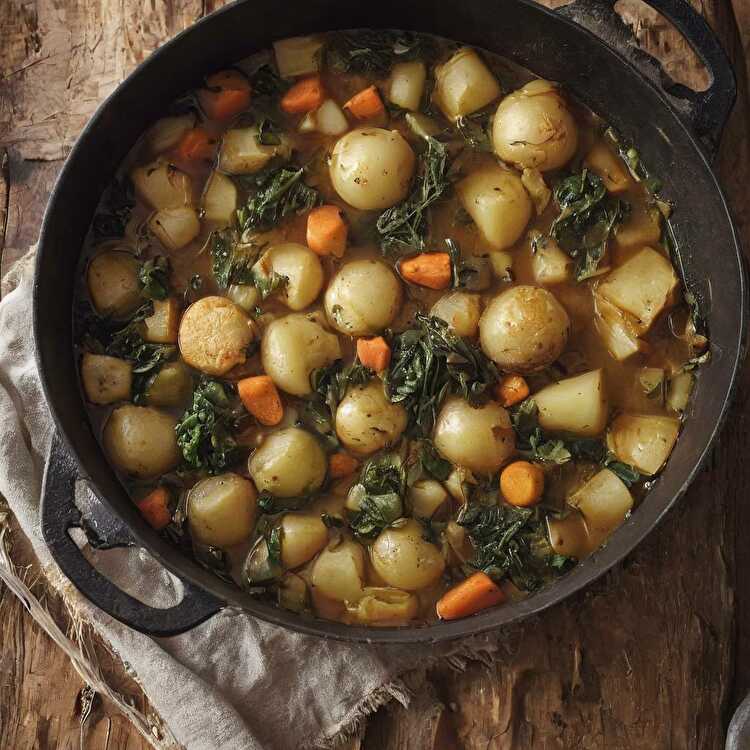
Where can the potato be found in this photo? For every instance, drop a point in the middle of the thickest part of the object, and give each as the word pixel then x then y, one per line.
pixel 524 329
pixel 641 228
pixel 298 55
pixel 141 441
pixel 328 119
pixel 616 330
pixel 380 605
pixel 292 347
pixel 288 463
pixel 479 439
pixel 339 572
pixel 162 185
pixel 112 280
pixel 605 503
pixel 406 86
pixel 642 287
pixel 576 405
pixel 643 441
pixel 371 168
pixel 246 296
pixel 502 265
pixel 302 537
pixel 363 298
pixel 240 152
pixel 402 557
pixel 161 327
pixel 460 311
pixel 175 227
pixel 464 84
pixel 601 160
pixel 214 335
pixel 549 264
pixel 497 201
pixel 171 386
pixel 292 593
pixel 678 393
pixel 568 536
pixel 221 510
pixel 534 129
pixel 166 133
pixel 302 268
pixel 106 379
pixel 425 497
pixel 367 421
pixel 219 199
pixel 536 187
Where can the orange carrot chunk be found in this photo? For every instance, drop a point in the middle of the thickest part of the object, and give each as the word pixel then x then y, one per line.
pixel 327 231
pixel 226 94
pixel 476 593
pixel 155 508
pixel 195 145
pixel 522 483
pixel 511 390
pixel 304 96
pixel 374 353
pixel 432 270
pixel 341 465
pixel 261 398
pixel 366 104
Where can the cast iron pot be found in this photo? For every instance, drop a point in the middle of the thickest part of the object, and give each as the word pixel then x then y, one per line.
pixel 676 130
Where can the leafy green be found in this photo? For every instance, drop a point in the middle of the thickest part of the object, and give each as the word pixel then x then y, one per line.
pixel 232 260
pixel 587 219
pixel 268 133
pixel 375 52
pixel 426 461
pixel 404 226
pixel 204 432
pixel 273 540
pixel 270 283
pixel 117 206
pixel 429 362
pixel 474 130
pixel 380 490
pixel 267 82
pixel 154 278
pixel 272 505
pixel 275 194
pixel 331 522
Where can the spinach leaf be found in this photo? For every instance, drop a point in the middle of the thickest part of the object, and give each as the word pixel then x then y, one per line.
pixel 270 283
pixel 429 362
pixel 474 130
pixel 204 432
pixel 154 278
pixel 380 490
pixel 587 219
pixel 426 461
pixel 232 259
pixel 273 540
pixel 404 226
pixel 268 133
pixel 117 206
pixel 375 52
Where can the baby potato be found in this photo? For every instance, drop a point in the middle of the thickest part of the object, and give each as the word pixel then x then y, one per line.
pixel 367 421
pixel 292 347
pixel 175 227
pixel 302 536
pixel 162 185
pixel 288 463
pixel 371 168
pixel 171 386
pixel 302 268
pixel 524 329
pixel 402 557
pixel 339 572
pixel 497 201
pixel 479 439
pixel 363 298
pixel 112 280
pixel 460 311
pixel 214 335
pixel 464 84
pixel 141 441
pixel 106 379
pixel 221 510
pixel 534 129
pixel 425 497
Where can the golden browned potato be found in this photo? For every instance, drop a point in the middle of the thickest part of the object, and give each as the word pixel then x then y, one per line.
pixel 464 84
pixel 141 441
pixel 479 439
pixel 524 329
pixel 112 280
pixel 533 128
pixel 106 379
pixel 214 335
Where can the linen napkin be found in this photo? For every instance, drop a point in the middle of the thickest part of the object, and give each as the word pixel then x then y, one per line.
pixel 233 682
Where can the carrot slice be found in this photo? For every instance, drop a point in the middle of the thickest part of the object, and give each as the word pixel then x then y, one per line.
pixel 472 595
pixel 196 145
pixel 366 104
pixel 341 465
pixel 327 231
pixel 374 353
pixel 227 94
pixel 304 96
pixel 511 390
pixel 155 508
pixel 522 483
pixel 261 398
pixel 432 270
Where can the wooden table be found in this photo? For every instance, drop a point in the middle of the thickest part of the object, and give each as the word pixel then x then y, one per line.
pixel 654 656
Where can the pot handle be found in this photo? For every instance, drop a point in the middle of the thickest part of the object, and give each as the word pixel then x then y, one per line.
pixel 705 112
pixel 60 513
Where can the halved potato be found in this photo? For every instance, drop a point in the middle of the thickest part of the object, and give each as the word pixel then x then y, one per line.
pixel 175 227
pixel 576 405
pixel 643 440
pixel 602 161
pixel 241 153
pixel 605 503
pixel 106 379
pixel 339 572
pixel 533 181
pixel 640 229
pixel 219 199
pixel 461 311
pixel 171 386
pixel 549 264
pixel 161 327
pixel 112 280
pixel 328 119
pixel 464 84
pixel 162 185
pixel 298 55
pixel 407 84
pixel 300 266
pixel 616 330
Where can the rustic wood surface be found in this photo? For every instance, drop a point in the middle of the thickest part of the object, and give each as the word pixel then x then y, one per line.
pixel 654 656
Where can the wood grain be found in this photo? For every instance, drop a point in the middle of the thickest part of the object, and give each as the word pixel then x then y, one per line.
pixel 653 656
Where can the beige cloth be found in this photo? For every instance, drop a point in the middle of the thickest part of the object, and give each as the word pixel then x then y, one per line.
pixel 234 682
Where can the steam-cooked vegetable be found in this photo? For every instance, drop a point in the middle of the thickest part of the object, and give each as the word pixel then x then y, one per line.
pixel 549 264
pixel 302 537
pixel 298 55
pixel 161 326
pixel 407 84
pixel 172 385
pixel 644 441
pixel 576 405
pixel 175 227
pixel 300 268
pixel 106 380
pixel 609 167
pixel 339 571
pixel 161 185
pixel 166 133
pixel 112 280
pixel 382 605
pixel 219 199
pixel 464 84
pixel 605 502
pixel 460 311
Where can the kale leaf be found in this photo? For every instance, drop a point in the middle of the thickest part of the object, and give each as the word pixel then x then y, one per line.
pixel 267 82
pixel 426 461
pixel 232 260
pixel 375 52
pixel 117 206
pixel 154 278
pixel 380 490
